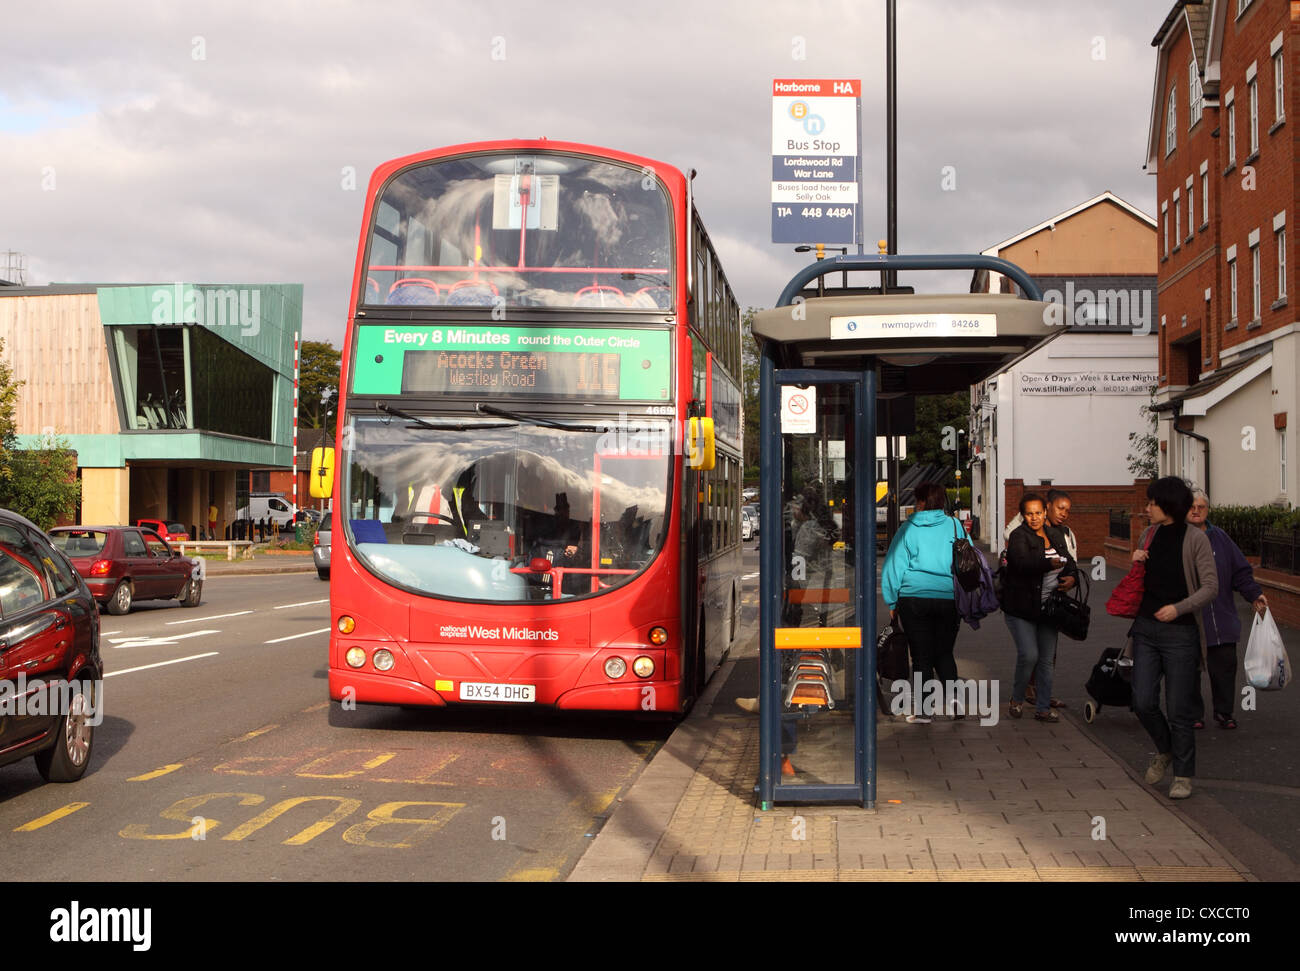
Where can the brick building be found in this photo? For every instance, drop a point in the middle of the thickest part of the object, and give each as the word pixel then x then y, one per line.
pixel 1226 175
pixel 1058 416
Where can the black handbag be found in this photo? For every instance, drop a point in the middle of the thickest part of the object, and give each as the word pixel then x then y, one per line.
pixel 892 661
pixel 1069 612
pixel 966 563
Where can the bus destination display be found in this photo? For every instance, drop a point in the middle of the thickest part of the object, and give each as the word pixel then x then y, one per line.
pixel 551 373
pixel 582 363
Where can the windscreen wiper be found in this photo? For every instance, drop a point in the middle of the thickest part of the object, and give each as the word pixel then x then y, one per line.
pixel 483 409
pixel 388 409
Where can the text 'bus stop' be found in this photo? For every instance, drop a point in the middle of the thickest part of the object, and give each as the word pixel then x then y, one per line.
pixel 826 363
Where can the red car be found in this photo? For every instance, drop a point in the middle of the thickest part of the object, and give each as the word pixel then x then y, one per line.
pixel 171 532
pixel 123 564
pixel 50 665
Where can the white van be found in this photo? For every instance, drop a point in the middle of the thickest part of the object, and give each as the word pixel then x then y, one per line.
pixel 272 505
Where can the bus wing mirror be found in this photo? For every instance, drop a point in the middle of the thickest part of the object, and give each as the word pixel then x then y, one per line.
pixel 322 472
pixel 700 452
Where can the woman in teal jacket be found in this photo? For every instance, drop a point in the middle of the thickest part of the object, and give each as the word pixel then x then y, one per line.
pixel 916 583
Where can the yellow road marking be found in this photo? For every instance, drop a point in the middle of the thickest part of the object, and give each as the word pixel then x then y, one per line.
pixel 156 773
pixel 323 704
pixel 535 875
pixel 53 817
pixel 254 733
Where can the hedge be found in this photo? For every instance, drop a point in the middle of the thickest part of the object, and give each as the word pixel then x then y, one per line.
pixel 1245 523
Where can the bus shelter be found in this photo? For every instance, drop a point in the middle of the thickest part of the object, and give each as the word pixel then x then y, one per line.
pixel 826 361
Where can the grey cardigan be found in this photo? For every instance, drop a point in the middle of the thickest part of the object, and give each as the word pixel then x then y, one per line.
pixel 1199 572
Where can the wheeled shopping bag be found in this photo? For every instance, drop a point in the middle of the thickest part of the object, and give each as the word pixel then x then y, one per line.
pixel 1109 683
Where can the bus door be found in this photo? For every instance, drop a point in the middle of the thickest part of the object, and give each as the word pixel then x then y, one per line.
pixel 817 587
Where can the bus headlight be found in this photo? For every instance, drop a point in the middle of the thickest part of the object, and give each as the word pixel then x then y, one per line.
pixel 643 666
pixel 615 667
pixel 384 660
pixel 658 636
pixel 356 657
pixel 346 624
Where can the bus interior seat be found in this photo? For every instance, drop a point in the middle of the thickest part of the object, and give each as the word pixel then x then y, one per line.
pixel 660 297
pixel 369 531
pixel 600 296
pixel 471 293
pixel 415 291
pixel 372 290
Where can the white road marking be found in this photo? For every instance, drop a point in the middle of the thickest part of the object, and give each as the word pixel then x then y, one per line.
pixel 305 603
pixel 108 633
pixel 158 640
pixel 199 620
pixel 294 637
pixel 146 667
pixel 749 576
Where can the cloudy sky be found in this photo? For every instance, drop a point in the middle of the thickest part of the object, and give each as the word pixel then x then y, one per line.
pixel 164 141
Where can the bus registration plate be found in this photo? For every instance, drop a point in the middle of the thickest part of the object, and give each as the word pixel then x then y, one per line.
pixel 475 691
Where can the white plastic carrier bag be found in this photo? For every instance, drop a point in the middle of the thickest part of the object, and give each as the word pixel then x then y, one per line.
pixel 1267 665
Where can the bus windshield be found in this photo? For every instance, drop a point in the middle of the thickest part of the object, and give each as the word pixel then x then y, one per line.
pixel 480 509
pixel 510 230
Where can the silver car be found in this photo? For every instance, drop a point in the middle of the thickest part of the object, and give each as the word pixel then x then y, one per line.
pixel 320 551
pixel 748 522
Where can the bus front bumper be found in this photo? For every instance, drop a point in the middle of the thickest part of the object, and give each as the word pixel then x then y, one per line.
pixel 378 689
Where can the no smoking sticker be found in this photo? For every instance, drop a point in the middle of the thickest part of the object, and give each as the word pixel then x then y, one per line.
pixel 798 410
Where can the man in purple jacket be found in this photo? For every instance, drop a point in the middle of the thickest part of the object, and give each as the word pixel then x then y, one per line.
pixel 1222 628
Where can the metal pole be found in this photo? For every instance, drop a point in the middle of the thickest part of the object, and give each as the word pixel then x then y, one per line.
pixel 770 575
pixel 891 132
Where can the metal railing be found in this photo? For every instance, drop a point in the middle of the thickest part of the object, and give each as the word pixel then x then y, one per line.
pixel 1279 549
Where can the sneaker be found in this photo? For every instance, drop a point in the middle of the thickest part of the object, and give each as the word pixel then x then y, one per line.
pixel 1158 767
pixel 1199 723
pixel 748 704
pixel 1225 721
pixel 1182 787
pixel 918 720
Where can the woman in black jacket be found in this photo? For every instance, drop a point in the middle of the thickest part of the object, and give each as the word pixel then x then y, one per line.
pixel 1037 562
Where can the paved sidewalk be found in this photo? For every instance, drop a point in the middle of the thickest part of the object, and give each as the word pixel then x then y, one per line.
pixel 1016 801
pixel 281 563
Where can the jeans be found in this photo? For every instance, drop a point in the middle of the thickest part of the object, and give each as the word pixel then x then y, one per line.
pixel 1221 663
pixel 931 624
pixel 1171 651
pixel 1035 654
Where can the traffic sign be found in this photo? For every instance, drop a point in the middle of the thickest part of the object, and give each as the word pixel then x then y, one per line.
pixel 815 160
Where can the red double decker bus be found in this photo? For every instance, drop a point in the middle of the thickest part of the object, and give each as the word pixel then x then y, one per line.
pixel 525 511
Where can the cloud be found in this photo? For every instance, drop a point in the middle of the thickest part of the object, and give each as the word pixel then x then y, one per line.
pixel 213 144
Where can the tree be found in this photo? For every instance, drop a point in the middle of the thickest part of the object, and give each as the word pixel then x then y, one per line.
pixel 40 484
pixel 44 485
pixel 939 419
pixel 1144 447
pixel 8 420
pixel 318 384
pixel 749 358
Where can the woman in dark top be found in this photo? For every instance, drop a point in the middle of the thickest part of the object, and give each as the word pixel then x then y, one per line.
pixel 1037 562
pixel 1180 580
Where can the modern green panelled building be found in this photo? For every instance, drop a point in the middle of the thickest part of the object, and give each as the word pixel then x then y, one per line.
pixel 163 390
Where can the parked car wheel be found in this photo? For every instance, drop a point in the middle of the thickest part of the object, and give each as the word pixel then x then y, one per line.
pixel 323 574
pixel 193 593
pixel 67 759
pixel 120 602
